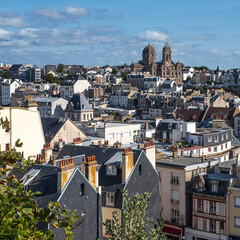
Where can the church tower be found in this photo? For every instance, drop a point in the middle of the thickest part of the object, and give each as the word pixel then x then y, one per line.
pixel 149 55
pixel 167 54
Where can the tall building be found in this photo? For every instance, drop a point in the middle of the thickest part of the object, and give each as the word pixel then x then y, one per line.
pixel 166 68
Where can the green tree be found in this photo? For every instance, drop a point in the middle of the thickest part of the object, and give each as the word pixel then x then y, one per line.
pixel 124 75
pixel 60 68
pixel 114 71
pixel 4 74
pixel 19 212
pixel 52 79
pixel 135 224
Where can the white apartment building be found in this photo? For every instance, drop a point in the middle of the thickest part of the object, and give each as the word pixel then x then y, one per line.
pixel 8 88
pixel 152 83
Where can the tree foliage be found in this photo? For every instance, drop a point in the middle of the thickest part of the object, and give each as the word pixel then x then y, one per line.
pixel 52 79
pixel 124 75
pixel 20 215
pixel 60 68
pixel 135 224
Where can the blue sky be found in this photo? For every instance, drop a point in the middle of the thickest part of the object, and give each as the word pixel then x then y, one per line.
pixel 99 32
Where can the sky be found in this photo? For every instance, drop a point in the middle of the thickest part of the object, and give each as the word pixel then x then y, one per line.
pixel 100 32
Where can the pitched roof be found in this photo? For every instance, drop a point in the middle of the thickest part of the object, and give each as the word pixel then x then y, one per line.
pixel 51 126
pixel 80 102
pixel 189 115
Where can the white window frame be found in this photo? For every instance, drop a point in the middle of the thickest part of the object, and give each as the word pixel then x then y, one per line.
pixel 111 170
pixel 109 199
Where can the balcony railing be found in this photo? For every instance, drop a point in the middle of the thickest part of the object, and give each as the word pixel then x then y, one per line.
pixel 174 201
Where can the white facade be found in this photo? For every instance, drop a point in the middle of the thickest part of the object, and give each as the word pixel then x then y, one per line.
pixel 51 106
pixel 8 88
pixel 118 132
pixel 152 83
pixel 187 72
pixel 67 91
pixel 26 125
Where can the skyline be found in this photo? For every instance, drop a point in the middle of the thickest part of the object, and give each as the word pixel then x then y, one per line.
pixel 115 32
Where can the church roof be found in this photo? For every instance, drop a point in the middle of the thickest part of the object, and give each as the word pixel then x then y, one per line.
pixel 149 49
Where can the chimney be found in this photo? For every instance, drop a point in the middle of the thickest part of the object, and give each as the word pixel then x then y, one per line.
pixel 89 170
pixel 52 160
pixel 175 151
pixel 47 151
pixel 65 171
pixel 127 163
pixel 150 151
pixel 147 125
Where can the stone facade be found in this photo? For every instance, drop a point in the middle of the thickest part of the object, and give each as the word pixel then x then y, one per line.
pixel 166 68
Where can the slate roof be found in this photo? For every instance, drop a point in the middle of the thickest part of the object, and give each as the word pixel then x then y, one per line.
pixel 102 155
pixel 72 79
pixel 51 126
pixel 80 102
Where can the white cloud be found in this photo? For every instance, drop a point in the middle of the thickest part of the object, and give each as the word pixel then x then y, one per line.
pixel 219 52
pixel 11 22
pixel 28 32
pixel 152 36
pixel 5 35
pixel 77 12
pixel 49 13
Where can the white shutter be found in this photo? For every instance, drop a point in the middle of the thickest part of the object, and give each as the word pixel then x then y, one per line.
pixel 217 226
pixel 195 203
pixel 205 206
pixel 217 208
pixel 208 225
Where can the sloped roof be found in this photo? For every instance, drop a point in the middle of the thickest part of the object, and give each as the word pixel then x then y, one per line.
pixel 80 102
pixel 189 115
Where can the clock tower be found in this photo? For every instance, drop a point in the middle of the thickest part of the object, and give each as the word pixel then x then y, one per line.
pixel 166 54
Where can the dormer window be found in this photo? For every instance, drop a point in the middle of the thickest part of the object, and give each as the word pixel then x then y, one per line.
pixel 209 138
pixel 200 186
pixel 214 187
pixel 109 199
pixel 111 170
pixel 216 138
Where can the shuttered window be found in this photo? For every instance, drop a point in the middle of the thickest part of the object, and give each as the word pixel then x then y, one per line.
pixel 237 202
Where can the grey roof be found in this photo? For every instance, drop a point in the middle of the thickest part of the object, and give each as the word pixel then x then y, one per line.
pixel 72 79
pixel 46 99
pixel 181 162
pixel 80 102
pixel 115 159
pixel 51 126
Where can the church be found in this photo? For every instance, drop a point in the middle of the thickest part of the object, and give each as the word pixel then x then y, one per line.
pixel 166 68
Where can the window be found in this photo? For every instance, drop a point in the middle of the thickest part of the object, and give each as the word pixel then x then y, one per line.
pixel 209 149
pixel 110 199
pixel 222 225
pixel 109 225
pixel 216 138
pixel 214 187
pixel 7 146
pixel 226 145
pixel 221 147
pixel 174 196
pixel 237 202
pixel 110 136
pixel 237 222
pixel 215 149
pixel 111 170
pixel 200 205
pixel 213 207
pixel 200 186
pixel 81 189
pixel 174 215
pixel 174 179
pixel 212 226
pixel 222 137
pixel 226 135
pixel 209 138
pixel 140 169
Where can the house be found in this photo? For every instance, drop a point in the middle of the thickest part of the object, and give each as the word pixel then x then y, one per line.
pixel 25 124
pixel 64 181
pixel 72 85
pixel 122 133
pixel 152 83
pixel 33 74
pixel 49 106
pixel 122 169
pixel 49 68
pixel 176 180
pixel 170 86
pixel 121 98
pixel 18 71
pixel 59 131
pixel 79 109
pixel 7 89
pixel 137 79
pixel 209 206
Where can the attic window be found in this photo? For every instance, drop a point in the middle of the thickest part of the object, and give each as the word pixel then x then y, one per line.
pixel 200 186
pixel 140 169
pixel 214 187
pixel 110 199
pixel 111 170
pixel 83 106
